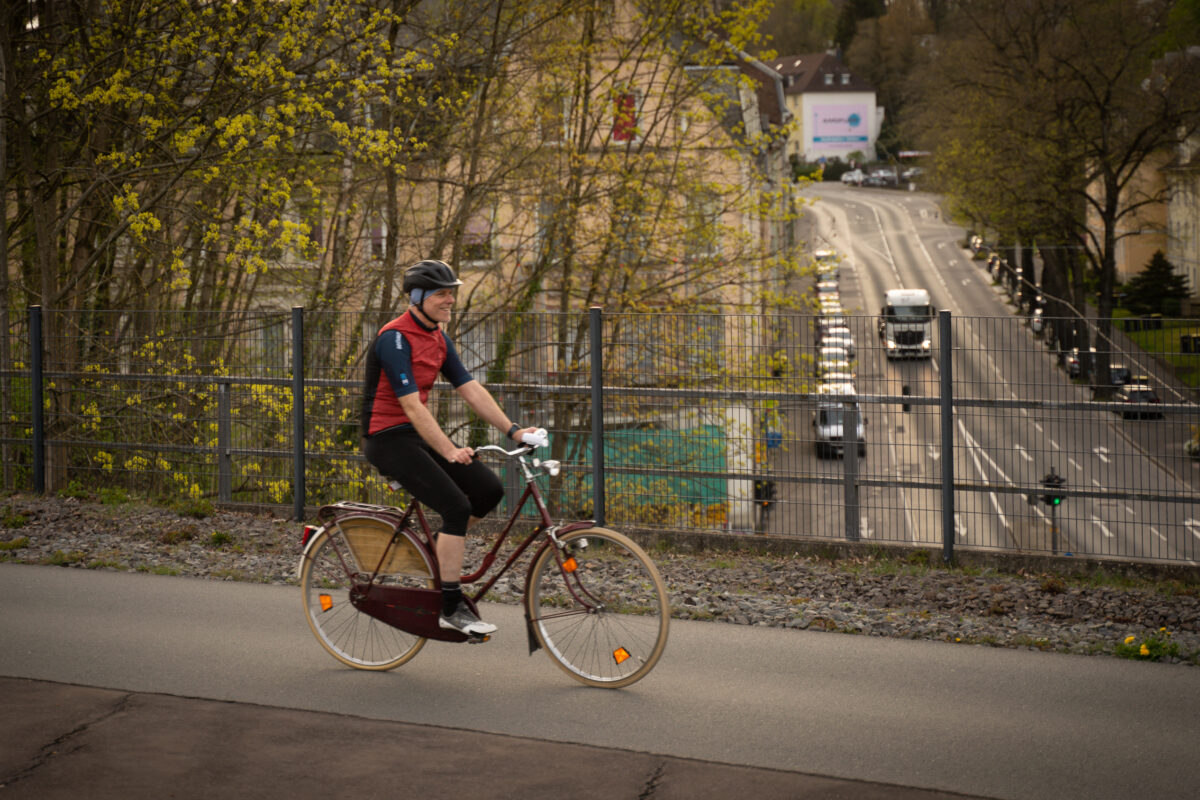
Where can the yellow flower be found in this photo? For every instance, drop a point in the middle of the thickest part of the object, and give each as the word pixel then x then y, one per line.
pixel 1145 650
pixel 1129 639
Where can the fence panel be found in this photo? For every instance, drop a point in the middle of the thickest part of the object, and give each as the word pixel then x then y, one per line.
pixel 711 422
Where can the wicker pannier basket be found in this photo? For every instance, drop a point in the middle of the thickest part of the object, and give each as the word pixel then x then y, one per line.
pixel 368 538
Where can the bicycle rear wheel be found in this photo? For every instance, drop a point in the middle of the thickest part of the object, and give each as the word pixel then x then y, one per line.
pixel 328 574
pixel 599 607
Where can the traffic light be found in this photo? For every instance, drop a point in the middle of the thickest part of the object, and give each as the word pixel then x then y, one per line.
pixel 1053 483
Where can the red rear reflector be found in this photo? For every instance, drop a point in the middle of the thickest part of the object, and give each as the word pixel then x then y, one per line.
pixel 309 530
pixel 620 655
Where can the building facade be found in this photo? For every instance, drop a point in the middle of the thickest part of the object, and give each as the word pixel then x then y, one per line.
pixel 834 109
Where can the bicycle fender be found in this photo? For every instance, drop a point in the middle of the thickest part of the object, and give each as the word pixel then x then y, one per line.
pixel 307 547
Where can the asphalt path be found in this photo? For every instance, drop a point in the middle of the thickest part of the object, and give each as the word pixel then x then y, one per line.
pixel 974 720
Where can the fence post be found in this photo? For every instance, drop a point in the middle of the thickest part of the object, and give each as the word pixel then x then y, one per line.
pixel 850 468
pixel 35 399
pixel 298 411
pixel 945 351
pixel 224 444
pixel 595 334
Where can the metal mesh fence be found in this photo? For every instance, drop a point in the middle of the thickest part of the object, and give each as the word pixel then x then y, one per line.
pixel 711 422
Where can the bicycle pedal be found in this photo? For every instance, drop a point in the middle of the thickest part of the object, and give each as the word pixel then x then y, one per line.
pixel 473 638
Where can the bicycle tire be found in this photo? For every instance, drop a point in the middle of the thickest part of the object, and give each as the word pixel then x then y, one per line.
pixel 351 636
pixel 605 621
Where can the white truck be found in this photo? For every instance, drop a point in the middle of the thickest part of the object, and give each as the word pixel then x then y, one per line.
pixel 906 323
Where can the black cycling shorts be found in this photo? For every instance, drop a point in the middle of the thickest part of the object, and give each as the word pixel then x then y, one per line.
pixel 456 491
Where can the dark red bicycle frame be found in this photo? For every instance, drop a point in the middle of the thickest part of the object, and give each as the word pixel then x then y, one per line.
pixel 415 610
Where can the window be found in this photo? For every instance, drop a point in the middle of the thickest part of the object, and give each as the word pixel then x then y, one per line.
pixel 378 235
pixel 704 225
pixel 626 105
pixel 478 245
pixel 554 117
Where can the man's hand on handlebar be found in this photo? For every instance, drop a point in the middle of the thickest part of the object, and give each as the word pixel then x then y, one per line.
pixel 534 437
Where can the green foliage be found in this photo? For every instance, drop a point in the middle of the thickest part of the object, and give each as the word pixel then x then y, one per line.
pixel 14 544
pixel 110 496
pixel 1153 647
pixel 73 490
pixel 60 559
pixel 192 507
pixel 1157 289
pixel 219 539
pixel 11 519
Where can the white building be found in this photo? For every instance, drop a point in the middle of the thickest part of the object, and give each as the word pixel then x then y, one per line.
pixel 834 109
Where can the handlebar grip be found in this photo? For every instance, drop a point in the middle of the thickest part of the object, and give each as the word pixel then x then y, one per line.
pixel 538 438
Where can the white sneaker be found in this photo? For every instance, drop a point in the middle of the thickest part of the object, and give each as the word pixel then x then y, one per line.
pixel 464 620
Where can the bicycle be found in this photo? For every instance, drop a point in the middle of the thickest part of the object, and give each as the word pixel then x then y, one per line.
pixel 593 599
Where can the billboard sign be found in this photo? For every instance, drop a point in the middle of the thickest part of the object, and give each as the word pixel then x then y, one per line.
pixel 840 126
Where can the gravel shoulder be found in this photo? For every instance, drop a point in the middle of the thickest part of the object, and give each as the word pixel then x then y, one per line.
pixel 1146 620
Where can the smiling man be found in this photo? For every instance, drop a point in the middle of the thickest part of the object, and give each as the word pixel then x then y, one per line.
pixel 403 440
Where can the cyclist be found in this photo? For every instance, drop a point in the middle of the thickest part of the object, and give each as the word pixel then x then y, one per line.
pixel 404 442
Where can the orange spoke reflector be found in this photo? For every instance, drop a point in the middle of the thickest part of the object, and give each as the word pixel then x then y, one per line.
pixel 326 602
pixel 620 655
pixel 570 565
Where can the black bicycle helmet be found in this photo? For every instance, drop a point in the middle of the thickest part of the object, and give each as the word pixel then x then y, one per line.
pixel 430 274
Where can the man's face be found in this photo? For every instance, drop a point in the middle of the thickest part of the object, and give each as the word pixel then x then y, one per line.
pixel 438 305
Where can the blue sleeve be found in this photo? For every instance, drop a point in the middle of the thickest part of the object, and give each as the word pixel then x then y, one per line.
pixel 395 356
pixel 453 368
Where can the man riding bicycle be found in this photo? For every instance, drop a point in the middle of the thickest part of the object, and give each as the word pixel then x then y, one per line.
pixel 404 442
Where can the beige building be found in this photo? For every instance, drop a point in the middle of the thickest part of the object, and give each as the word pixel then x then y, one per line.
pixel 1182 176
pixel 834 109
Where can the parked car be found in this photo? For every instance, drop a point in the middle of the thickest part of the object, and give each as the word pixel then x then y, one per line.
pixel 1037 322
pixel 827 264
pixel 1118 374
pixel 1140 395
pixel 827 288
pixel 839 337
pixel 854 176
pixel 828 365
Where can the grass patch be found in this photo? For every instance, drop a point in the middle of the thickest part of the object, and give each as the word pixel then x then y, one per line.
pixel 1155 647
pixel 14 544
pixel 159 569
pixel 219 539
pixel 61 559
pixel 12 519
pixel 111 496
pixel 74 490
pixel 189 507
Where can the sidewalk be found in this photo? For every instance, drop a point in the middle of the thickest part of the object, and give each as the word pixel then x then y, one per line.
pixel 66 741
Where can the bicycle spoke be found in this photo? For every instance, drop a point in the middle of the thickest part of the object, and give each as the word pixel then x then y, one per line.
pixel 604 617
pixel 328 577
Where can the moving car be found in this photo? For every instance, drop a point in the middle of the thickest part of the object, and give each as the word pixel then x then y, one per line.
pixel 828 423
pixel 1143 397
pixel 854 176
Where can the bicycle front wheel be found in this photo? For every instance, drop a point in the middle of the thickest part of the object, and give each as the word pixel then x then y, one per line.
pixel 328 575
pixel 599 607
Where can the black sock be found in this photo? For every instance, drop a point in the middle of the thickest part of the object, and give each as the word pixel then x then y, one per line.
pixel 451 597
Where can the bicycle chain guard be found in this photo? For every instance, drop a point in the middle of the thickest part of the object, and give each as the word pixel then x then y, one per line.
pixel 411 609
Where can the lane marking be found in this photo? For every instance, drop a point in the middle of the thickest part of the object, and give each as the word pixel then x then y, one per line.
pixel 1103 529
pixel 1024 454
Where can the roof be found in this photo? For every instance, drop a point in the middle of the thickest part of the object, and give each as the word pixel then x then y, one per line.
pixel 805 73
